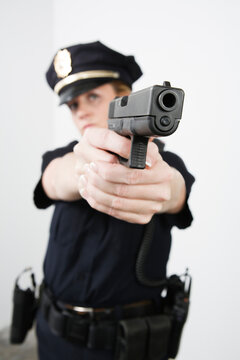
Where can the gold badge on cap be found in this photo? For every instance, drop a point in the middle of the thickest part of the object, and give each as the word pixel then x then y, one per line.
pixel 63 63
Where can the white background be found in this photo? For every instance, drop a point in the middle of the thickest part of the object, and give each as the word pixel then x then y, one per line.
pixel 193 44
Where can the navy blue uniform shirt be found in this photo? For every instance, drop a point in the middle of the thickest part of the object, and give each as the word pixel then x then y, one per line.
pixel 90 259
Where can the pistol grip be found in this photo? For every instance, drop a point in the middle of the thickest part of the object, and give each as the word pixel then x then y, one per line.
pixel 137 159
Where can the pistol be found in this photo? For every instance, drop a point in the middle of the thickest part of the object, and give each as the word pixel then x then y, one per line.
pixel 151 112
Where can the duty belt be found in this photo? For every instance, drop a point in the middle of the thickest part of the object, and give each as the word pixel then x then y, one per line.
pixel 93 328
pixel 134 331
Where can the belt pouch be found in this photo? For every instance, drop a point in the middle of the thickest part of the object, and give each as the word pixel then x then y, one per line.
pixel 159 329
pixel 131 340
pixel 24 310
pixel 180 312
pixel 102 335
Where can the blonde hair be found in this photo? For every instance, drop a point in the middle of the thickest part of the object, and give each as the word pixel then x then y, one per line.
pixel 120 87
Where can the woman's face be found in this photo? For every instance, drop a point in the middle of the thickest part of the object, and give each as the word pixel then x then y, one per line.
pixel 91 108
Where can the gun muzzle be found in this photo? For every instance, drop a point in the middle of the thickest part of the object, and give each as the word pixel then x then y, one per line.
pixel 168 100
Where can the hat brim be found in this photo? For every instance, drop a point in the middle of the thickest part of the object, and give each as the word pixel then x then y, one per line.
pixel 80 87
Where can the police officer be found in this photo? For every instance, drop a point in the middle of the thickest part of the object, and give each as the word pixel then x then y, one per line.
pixel 101 208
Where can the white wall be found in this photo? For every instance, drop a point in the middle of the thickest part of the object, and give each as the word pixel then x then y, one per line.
pixel 195 45
pixel 26 112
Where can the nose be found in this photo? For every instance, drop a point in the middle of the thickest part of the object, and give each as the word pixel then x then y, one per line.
pixel 82 111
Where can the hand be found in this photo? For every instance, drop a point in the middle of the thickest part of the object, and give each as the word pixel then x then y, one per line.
pixel 95 145
pixel 130 194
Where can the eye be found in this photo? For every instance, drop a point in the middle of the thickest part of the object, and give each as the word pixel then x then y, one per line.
pixel 93 96
pixel 73 106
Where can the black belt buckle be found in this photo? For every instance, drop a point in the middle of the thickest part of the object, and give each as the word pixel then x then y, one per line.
pixel 71 327
pixel 63 323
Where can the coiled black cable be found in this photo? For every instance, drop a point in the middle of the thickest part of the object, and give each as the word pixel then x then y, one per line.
pixel 142 255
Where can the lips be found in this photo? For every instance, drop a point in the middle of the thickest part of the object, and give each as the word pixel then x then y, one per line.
pixel 87 126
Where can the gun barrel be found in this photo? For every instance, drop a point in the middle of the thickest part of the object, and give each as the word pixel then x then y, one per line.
pixel 154 111
pixel 168 100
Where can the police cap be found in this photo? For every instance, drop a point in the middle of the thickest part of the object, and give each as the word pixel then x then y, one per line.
pixel 82 67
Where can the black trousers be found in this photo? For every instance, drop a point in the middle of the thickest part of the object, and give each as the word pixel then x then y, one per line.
pixel 51 347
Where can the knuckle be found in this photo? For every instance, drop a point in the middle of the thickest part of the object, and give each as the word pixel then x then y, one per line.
pixel 79 150
pixel 168 193
pixel 90 190
pixel 93 203
pixel 111 212
pixel 144 219
pixel 105 173
pixel 148 218
pixel 105 136
pixel 107 170
pixel 117 203
pixel 76 149
pixel 133 177
pixel 164 194
pixel 157 208
pixel 110 157
pixel 92 179
pixel 122 190
pixel 169 173
pixel 158 196
pixel 124 146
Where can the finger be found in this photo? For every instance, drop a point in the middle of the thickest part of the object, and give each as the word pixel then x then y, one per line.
pixel 154 192
pixel 135 218
pixel 153 154
pixel 87 154
pixel 108 140
pixel 118 173
pixel 119 203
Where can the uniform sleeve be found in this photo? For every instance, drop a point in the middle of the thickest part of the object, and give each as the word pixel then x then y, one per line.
pixel 184 218
pixel 41 200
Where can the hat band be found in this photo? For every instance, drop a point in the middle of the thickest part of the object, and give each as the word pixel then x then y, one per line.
pixel 91 74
